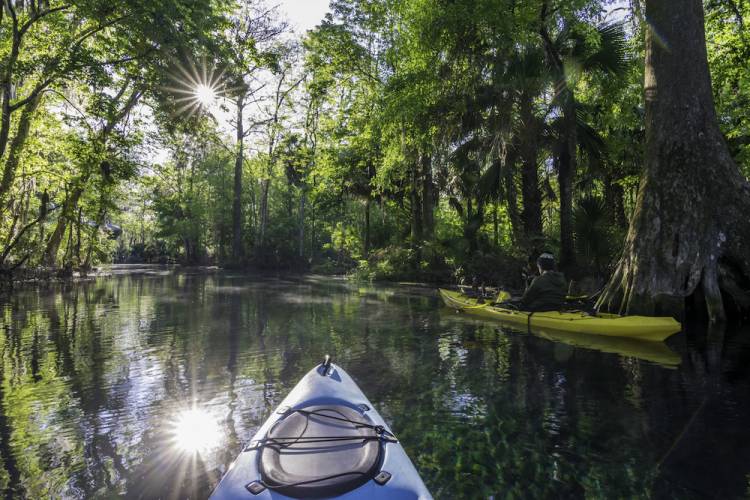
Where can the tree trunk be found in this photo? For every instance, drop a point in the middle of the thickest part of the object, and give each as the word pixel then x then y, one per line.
pixel 428 199
pixel 566 172
pixel 69 207
pixel 495 224
pixel 614 199
pixel 16 146
pixel 474 221
pixel 690 231
pixel 263 222
pixel 7 89
pixel 530 192
pixel 567 148
pixel 79 222
pixel 511 192
pixel 301 229
pixel 366 249
pixel 100 217
pixel 312 229
pixel 416 206
pixel 237 198
pixel 273 132
pixel 86 265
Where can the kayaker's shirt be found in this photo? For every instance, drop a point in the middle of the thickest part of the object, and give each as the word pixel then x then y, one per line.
pixel 546 292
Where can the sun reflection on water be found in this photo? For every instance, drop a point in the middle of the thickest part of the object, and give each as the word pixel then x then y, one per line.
pixel 196 431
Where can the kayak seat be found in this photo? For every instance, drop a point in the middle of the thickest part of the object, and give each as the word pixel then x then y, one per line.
pixel 321 451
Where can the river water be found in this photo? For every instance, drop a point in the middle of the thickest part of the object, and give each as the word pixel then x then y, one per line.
pixel 103 386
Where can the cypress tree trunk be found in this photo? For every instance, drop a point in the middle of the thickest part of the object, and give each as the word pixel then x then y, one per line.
pixel 690 231
pixel 530 192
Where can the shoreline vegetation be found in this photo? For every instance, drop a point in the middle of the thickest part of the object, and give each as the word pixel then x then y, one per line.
pixel 438 142
pixel 45 277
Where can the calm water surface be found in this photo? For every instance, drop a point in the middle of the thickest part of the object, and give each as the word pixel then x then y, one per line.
pixel 103 385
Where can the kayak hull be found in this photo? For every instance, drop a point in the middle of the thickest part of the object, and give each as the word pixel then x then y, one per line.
pixel 649 328
pixel 654 352
pixel 334 388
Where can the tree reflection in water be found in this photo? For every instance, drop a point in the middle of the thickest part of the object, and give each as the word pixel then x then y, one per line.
pixel 95 380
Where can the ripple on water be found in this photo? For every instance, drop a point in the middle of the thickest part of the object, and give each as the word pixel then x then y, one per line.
pixel 98 380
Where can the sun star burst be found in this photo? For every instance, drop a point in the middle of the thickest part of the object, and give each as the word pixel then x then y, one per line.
pixel 196 87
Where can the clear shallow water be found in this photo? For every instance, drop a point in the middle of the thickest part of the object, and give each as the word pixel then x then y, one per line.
pixel 103 385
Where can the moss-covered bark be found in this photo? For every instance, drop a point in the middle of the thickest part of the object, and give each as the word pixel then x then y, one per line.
pixel 690 223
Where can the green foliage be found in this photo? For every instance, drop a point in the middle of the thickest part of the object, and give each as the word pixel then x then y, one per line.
pixel 72 78
pixel 597 241
pixel 427 263
pixel 492 269
pixel 396 141
pixel 728 53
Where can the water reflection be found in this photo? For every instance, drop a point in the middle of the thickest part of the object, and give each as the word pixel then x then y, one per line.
pixel 94 380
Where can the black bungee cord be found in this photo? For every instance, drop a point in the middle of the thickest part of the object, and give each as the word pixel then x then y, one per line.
pixel 380 434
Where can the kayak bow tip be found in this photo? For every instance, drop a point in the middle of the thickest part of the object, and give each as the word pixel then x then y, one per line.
pixel 325 367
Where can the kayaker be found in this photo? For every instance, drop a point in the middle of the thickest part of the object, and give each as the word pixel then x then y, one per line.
pixel 547 291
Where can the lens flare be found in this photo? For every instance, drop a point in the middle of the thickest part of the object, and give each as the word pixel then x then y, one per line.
pixel 195 431
pixel 205 95
pixel 197 87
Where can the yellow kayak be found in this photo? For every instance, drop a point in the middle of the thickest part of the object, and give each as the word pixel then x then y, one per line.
pixel 609 325
pixel 654 352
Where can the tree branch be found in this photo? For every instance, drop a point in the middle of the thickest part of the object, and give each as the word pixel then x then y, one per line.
pixel 39 15
pixel 54 67
pixel 17 238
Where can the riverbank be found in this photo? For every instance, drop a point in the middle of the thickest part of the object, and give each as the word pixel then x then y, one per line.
pixel 382 267
pixel 45 276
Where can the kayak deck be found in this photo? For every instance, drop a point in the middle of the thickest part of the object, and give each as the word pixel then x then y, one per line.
pixel 649 328
pixel 325 389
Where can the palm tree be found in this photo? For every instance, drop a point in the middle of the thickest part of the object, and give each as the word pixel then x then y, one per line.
pixel 569 56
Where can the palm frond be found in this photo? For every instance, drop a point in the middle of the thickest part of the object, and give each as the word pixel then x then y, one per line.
pixel 452 201
pixel 489 182
pixel 612 54
pixel 589 139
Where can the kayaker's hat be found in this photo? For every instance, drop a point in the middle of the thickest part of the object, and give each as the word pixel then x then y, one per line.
pixel 546 261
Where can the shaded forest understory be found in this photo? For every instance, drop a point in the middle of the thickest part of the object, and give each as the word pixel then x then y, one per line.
pixel 398 140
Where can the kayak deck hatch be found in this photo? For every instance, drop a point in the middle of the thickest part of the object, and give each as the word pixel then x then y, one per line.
pixel 325 440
